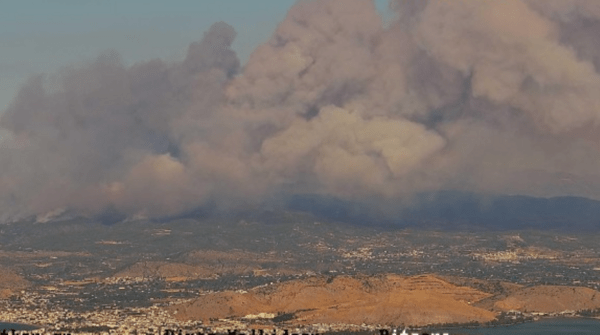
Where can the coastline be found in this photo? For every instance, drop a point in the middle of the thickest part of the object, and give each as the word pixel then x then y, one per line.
pixel 544 320
pixel 549 325
pixel 17 326
pixel 467 329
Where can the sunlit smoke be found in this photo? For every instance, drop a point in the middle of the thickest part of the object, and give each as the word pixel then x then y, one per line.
pixel 485 96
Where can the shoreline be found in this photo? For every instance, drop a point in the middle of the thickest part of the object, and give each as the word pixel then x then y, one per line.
pixel 468 326
pixel 24 327
pixel 507 325
pixel 17 326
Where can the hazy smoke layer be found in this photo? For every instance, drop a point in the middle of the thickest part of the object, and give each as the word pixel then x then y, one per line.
pixel 490 96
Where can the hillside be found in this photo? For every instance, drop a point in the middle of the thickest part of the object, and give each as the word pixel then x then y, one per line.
pixel 549 299
pixel 388 299
pixel 457 210
pixel 10 282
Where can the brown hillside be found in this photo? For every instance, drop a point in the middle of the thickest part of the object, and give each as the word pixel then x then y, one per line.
pixel 373 300
pixel 550 299
pixel 10 282
pixel 495 287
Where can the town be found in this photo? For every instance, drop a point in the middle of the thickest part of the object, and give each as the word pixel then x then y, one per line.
pixel 127 288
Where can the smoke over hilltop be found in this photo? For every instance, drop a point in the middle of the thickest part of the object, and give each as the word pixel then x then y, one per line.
pixel 489 96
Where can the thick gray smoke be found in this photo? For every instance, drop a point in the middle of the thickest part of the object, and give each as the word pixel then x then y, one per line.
pixel 487 96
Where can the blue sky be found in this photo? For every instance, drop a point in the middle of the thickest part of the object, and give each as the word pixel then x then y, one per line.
pixel 40 36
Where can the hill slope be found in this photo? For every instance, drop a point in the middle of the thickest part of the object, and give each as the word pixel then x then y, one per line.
pixel 387 299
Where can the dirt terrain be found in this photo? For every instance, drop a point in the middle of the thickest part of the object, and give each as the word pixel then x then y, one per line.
pixel 549 299
pixel 388 299
pixel 494 287
pixel 10 282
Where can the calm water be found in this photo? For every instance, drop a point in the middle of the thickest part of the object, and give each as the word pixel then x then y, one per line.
pixel 15 326
pixel 545 327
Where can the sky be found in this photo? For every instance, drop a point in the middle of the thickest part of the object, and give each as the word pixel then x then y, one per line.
pixel 235 103
pixel 38 36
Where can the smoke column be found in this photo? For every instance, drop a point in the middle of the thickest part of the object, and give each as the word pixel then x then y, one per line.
pixel 488 96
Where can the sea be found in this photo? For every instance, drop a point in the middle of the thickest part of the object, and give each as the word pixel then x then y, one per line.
pixel 563 326
pixel 16 326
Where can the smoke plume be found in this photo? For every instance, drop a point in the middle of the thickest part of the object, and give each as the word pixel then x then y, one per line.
pixel 487 96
